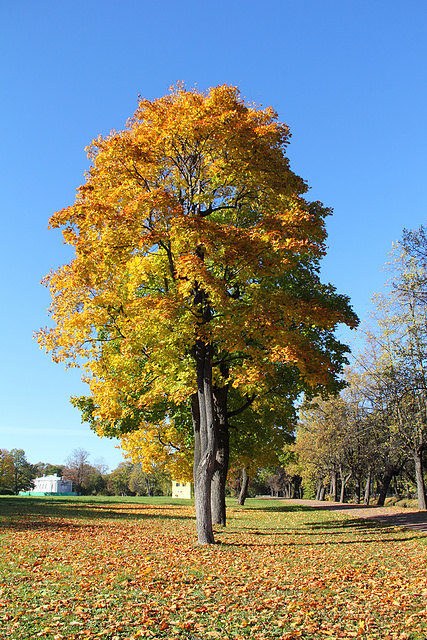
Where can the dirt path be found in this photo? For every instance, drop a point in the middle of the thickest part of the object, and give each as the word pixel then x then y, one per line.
pixel 410 518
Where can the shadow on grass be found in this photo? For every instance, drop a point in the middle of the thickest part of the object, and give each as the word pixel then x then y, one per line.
pixel 356 532
pixel 415 520
pixel 318 529
pixel 332 543
pixel 14 511
pixel 289 508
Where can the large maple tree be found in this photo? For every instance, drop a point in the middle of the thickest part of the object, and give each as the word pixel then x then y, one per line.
pixel 190 234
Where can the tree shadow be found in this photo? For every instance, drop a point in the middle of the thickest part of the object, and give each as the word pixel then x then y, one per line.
pixel 411 520
pixel 365 532
pixel 38 510
pixel 318 528
pixel 348 523
pixel 416 520
pixel 334 543
pixel 277 509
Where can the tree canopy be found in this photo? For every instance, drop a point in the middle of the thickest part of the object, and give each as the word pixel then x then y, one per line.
pixel 195 270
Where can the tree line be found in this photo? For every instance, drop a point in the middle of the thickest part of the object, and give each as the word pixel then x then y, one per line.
pixel 130 479
pixel 89 478
pixel 374 434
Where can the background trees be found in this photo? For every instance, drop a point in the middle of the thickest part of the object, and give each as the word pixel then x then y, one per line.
pixel 382 429
pixel 23 471
pixel 77 468
pixel 6 471
pixel 16 473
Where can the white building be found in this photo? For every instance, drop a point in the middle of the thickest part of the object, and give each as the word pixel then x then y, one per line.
pixel 51 485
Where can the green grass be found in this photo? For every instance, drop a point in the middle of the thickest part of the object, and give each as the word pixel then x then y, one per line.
pixel 127 568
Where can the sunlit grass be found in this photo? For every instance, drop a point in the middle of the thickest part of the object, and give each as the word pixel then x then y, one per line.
pixel 125 568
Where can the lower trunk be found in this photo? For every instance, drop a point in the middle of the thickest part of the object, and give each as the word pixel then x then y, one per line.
pixel 243 488
pixel 344 480
pixel 206 443
pixel 218 498
pixel 202 495
pixel 419 476
pixel 334 486
pixel 385 483
pixel 319 488
pixel 296 493
pixel 357 491
pixel 367 495
pixel 219 479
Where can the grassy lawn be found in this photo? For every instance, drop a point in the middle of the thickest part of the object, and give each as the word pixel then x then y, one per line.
pixel 128 568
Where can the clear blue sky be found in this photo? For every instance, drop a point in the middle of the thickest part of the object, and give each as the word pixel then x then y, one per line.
pixel 348 77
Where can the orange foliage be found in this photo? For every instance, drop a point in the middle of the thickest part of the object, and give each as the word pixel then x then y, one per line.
pixel 196 194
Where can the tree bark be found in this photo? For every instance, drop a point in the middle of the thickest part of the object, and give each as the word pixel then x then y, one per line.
pixel 318 489
pixel 195 415
pixel 219 478
pixel 367 494
pixel 385 483
pixel 334 486
pixel 204 461
pixel 357 491
pixel 344 480
pixel 419 476
pixel 297 488
pixel 243 488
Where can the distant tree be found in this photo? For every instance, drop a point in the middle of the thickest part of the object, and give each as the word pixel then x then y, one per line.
pixel 137 481
pixel 101 466
pixel 47 469
pixel 141 482
pixel 401 370
pixel 6 471
pixel 95 482
pixel 118 480
pixel 77 468
pixel 23 471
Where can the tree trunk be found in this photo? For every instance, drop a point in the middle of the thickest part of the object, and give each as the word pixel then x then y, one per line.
pixel 219 480
pixel 206 437
pixel 367 495
pixel 385 483
pixel 344 480
pixel 334 486
pixel 195 415
pixel 296 493
pixel 357 491
pixel 243 488
pixel 218 496
pixel 419 476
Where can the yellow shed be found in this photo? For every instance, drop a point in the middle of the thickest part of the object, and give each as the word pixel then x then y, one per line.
pixel 181 489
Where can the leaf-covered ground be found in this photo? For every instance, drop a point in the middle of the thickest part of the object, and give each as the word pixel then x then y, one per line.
pixel 122 569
